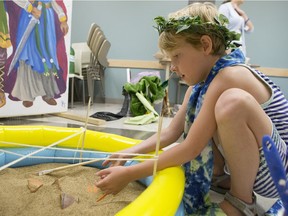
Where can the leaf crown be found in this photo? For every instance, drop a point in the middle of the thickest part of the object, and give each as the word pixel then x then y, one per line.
pixel 195 25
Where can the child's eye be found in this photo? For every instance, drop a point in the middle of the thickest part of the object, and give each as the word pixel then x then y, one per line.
pixel 176 56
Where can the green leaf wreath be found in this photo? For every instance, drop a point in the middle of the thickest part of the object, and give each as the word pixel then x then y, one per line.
pixel 195 25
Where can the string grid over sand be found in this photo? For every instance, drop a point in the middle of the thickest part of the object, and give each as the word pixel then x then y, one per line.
pixel 78 182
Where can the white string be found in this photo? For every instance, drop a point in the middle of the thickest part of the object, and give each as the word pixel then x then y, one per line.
pixel 76 150
pixel 72 158
pixel 39 150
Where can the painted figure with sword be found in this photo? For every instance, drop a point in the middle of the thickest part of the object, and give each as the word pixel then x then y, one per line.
pixel 35 57
pixel 5 43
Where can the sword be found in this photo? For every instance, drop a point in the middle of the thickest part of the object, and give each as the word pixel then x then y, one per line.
pixel 23 40
pixel 276 169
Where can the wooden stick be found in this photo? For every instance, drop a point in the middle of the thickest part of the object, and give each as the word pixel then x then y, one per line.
pixel 101 197
pixel 157 145
pixel 39 150
pixel 159 130
pixel 44 172
pixel 85 126
pixel 75 117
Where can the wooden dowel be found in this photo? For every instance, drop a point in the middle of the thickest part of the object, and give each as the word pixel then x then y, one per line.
pixel 85 126
pixel 157 145
pixel 44 172
pixel 75 117
pixel 159 134
pixel 101 197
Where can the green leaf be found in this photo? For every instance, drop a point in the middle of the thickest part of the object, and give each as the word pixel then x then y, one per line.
pixel 182 28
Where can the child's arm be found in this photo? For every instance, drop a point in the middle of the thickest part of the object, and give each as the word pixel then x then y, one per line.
pixel 115 178
pixel 169 135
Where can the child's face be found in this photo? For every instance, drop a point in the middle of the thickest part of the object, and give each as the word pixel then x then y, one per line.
pixel 189 63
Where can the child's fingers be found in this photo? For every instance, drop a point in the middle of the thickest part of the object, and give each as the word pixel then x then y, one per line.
pixel 107 162
pixel 103 173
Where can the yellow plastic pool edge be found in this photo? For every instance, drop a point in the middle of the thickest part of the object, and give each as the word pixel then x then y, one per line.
pixel 161 197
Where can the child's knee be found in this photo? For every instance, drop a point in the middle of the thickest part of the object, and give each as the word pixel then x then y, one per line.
pixel 231 104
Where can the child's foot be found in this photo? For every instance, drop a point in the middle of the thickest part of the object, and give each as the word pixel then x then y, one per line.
pixel 231 205
pixel 2 99
pixel 229 209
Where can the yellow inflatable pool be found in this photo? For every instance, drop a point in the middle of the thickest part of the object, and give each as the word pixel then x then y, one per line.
pixel 162 197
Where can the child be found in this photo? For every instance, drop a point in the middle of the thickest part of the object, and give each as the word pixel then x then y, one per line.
pixel 225 113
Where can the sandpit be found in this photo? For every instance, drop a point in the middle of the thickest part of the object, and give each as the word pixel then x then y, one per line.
pixel 22 192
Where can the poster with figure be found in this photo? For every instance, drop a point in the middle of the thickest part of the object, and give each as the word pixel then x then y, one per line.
pixel 34 54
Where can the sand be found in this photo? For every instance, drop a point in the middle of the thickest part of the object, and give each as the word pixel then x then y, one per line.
pixel 76 184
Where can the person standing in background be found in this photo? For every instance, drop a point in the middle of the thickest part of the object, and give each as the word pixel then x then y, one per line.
pixel 238 20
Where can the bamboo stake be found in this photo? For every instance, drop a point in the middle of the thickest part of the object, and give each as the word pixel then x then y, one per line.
pixel 77 117
pixel 165 83
pixel 44 172
pixel 39 150
pixel 157 145
pixel 85 126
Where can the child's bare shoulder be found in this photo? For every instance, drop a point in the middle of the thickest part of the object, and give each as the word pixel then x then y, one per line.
pixel 233 77
pixel 236 73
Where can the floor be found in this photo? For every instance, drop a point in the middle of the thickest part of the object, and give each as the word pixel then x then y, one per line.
pixel 115 127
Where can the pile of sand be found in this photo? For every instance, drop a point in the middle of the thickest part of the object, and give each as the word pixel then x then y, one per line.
pixel 44 194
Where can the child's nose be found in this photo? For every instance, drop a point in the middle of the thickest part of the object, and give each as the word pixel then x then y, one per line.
pixel 173 68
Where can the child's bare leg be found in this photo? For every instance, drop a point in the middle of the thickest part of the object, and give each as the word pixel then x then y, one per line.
pixel 220 180
pixel 241 123
pixel 219 162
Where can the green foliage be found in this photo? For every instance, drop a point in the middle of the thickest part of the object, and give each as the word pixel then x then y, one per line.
pixel 150 87
pixel 196 26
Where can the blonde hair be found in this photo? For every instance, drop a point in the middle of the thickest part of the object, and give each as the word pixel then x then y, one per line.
pixel 207 12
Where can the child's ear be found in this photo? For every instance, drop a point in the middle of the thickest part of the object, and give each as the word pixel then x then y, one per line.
pixel 206 44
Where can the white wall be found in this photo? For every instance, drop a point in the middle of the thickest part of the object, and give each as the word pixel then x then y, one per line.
pixel 128 26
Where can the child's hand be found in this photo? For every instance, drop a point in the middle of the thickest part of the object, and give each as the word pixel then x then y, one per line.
pixel 113 179
pixel 112 163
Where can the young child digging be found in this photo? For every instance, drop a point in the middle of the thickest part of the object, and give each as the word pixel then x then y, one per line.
pixel 226 111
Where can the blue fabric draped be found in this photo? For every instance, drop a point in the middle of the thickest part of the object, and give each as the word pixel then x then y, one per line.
pixel 198 172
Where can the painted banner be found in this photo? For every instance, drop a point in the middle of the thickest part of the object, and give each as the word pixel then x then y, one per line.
pixel 34 54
